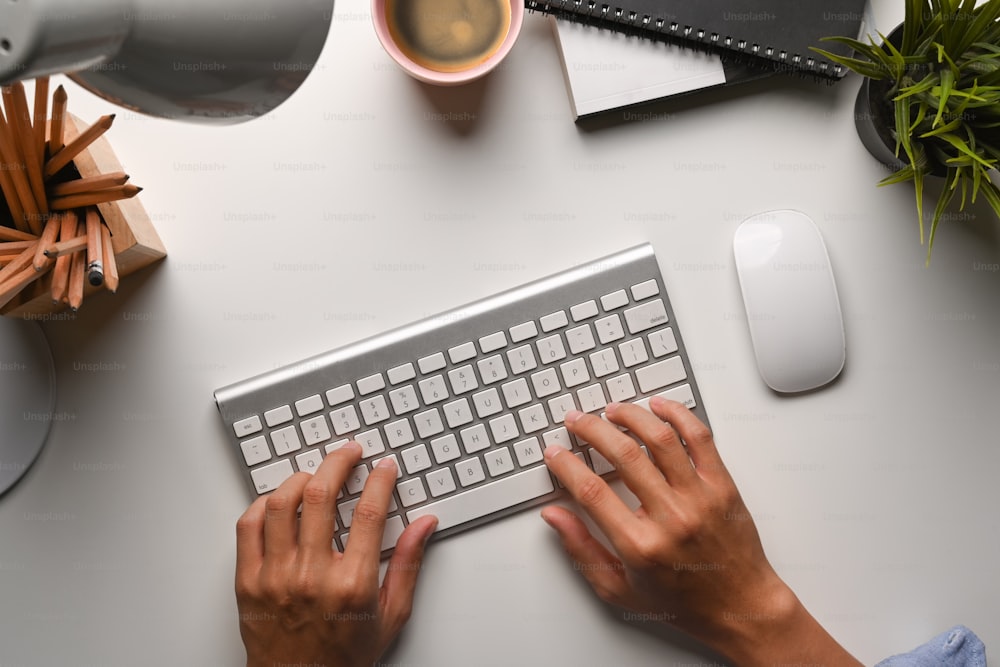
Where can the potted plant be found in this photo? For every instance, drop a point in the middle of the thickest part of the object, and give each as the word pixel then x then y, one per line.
pixel 930 102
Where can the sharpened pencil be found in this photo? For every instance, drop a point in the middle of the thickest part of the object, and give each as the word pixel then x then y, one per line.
pixel 110 262
pixel 93 198
pixel 95 255
pixel 49 236
pixel 68 247
pixel 78 145
pixel 60 275
pixel 14 286
pixel 19 122
pixel 14 162
pixel 41 114
pixel 24 260
pixel 77 271
pixel 84 185
pixel 57 130
pixel 8 234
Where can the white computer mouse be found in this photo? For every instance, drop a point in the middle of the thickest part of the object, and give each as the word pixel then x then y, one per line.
pixel 791 301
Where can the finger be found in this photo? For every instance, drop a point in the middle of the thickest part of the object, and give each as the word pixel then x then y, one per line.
pixel 661 438
pixel 636 470
pixel 700 443
pixel 594 495
pixel 400 581
pixel 602 570
pixel 319 500
pixel 281 520
pixel 365 542
pixel 250 543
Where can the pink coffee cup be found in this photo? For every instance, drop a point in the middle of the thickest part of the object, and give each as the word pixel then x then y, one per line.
pixel 442 78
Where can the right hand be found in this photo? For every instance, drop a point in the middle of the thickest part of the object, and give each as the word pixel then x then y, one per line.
pixel 690 556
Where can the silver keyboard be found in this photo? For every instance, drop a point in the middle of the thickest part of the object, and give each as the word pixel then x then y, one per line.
pixel 466 401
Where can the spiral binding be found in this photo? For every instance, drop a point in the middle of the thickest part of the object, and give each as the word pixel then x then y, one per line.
pixel 603 15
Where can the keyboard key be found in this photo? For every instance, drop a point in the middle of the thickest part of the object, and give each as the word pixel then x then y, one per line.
pixel 374 410
pixel 609 329
pixel 356 480
pixel 416 459
pixel 550 349
pixel 462 379
pixel 521 359
pixel 445 449
pixel 458 413
pixel 404 400
pixel 487 499
pixel 432 363
pixel 492 369
pixel 554 321
pixel 532 419
pixel 248 426
pixel 433 390
pixel 574 373
pixel 390 535
pixel 493 342
pixel 528 451
pixel 401 374
pixel 604 363
pixel 487 403
pixel 648 315
pixel 559 436
pixel 633 352
pixel 333 446
pixel 470 471
pixel 270 477
pixel 308 406
pixel 371 443
pixel 286 440
pixel 523 332
pixel 662 342
pixel 346 511
pixel 580 339
pixel 474 439
pixel 499 462
pixel 314 431
pixel 660 374
pixel 681 394
pixel 345 420
pixel 399 433
pixel 600 465
pixel 516 393
pixel 645 290
pixel 440 482
pixel 255 451
pixel 504 429
pixel 371 384
pixel 545 383
pixel 592 398
pixel 559 406
pixel 399 471
pixel 620 388
pixel 338 395
pixel 309 461
pixel 614 300
pixel 278 416
pixel 461 353
pixel 428 423
pixel 583 311
pixel 411 492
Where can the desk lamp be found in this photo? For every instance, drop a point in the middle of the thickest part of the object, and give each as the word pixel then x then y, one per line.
pixel 208 61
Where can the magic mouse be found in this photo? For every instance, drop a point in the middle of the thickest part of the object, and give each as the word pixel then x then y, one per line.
pixel 791 301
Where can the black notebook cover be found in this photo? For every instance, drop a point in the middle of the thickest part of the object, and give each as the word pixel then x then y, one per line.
pixel 764 33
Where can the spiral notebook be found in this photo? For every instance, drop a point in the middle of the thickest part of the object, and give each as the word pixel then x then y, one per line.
pixel 773 34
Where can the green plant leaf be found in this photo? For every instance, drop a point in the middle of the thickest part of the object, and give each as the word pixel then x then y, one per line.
pixel 947 194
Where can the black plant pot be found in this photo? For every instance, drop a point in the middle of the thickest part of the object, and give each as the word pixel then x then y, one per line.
pixel 874 118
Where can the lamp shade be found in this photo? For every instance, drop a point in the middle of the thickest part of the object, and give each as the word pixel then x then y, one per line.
pixel 221 61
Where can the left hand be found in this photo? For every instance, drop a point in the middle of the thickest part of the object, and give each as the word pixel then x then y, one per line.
pixel 301 602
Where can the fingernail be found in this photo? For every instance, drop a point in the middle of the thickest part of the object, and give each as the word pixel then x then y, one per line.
pixel 430 531
pixel 546 519
pixel 612 407
pixel 553 451
pixel 351 446
pixel 572 416
pixel 387 463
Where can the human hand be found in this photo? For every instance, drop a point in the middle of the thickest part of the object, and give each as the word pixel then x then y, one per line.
pixel 690 555
pixel 302 602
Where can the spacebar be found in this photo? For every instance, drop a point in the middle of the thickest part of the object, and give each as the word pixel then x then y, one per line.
pixel 482 500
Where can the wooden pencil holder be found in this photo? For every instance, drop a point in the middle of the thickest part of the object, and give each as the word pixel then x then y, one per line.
pixel 134 240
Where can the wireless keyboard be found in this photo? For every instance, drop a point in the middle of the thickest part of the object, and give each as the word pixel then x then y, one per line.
pixel 466 401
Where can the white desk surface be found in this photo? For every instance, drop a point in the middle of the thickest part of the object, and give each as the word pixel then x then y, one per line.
pixel 368 201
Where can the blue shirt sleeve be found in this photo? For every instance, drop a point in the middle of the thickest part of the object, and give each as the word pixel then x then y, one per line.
pixel 958 647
